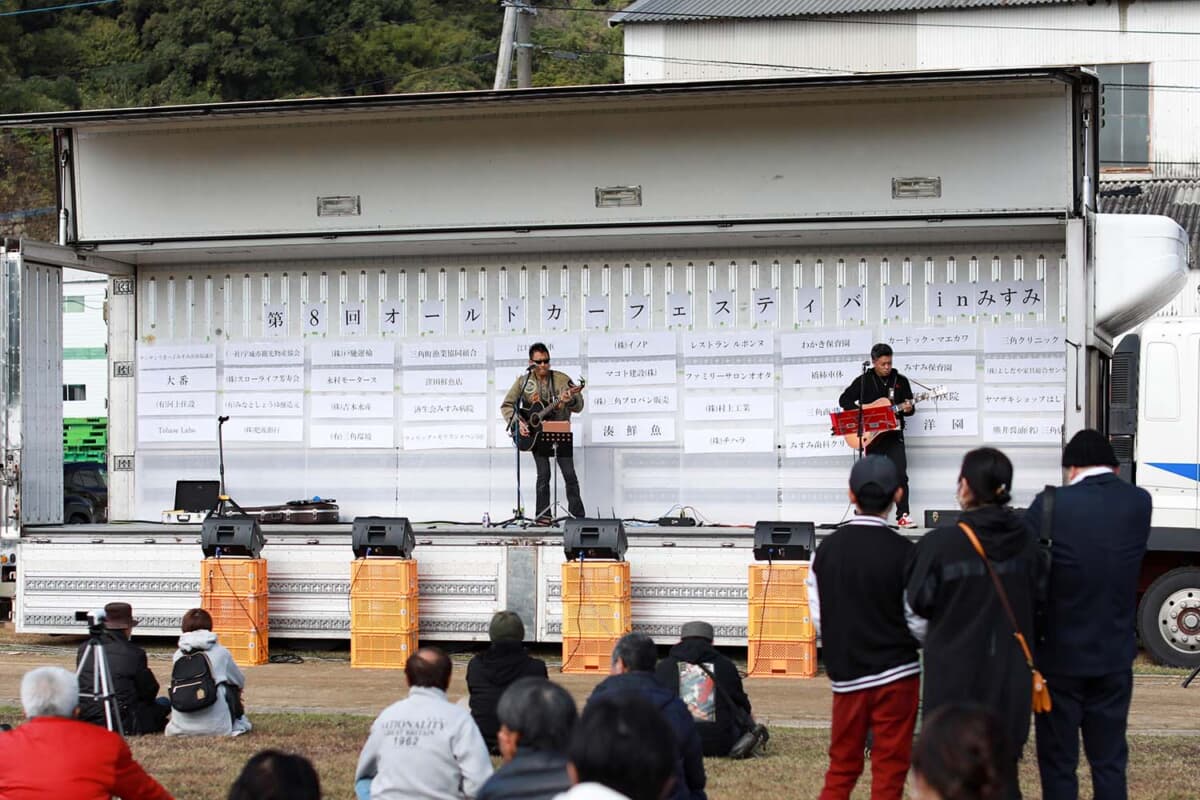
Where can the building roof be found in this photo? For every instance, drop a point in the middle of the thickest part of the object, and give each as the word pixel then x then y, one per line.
pixel 1177 198
pixel 644 11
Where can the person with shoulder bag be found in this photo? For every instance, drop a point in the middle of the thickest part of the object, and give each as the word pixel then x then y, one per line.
pixel 206 684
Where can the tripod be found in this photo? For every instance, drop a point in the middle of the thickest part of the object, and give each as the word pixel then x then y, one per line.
pixel 102 686
pixel 225 507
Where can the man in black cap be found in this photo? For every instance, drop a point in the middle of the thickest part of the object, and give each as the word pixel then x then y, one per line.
pixel 135 686
pixel 1098 529
pixel 709 685
pixel 495 669
pixel 856 600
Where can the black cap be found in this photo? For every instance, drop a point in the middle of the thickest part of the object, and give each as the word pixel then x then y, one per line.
pixel 877 471
pixel 1089 448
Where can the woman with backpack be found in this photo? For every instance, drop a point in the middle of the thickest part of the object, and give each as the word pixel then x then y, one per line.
pixel 206 684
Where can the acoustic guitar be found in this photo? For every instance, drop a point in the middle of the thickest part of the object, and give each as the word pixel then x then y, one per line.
pixel 538 412
pixel 883 402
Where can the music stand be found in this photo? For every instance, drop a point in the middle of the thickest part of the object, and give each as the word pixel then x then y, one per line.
pixel 874 420
pixel 556 432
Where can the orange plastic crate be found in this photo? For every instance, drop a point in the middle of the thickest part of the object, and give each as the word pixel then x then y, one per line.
pixel 778 583
pixel 236 613
pixel 394 577
pixel 602 620
pixel 583 655
pixel 382 613
pixel 233 577
pixel 768 659
pixel 381 650
pixel 248 648
pixel 789 622
pixel 595 580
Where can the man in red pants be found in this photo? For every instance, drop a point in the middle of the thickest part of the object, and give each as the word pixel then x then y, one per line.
pixel 856 599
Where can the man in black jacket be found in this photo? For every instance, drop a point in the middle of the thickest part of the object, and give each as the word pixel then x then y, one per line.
pixel 856 600
pixel 495 669
pixel 718 704
pixel 1099 531
pixel 133 683
pixel 536 720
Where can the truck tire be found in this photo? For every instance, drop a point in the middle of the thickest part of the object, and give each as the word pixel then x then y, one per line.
pixel 1169 618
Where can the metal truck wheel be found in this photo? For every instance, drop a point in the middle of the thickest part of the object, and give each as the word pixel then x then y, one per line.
pixel 1169 618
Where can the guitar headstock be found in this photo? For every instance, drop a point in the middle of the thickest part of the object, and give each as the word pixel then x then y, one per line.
pixel 940 390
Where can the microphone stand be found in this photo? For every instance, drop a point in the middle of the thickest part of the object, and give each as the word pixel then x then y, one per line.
pixel 862 390
pixel 514 430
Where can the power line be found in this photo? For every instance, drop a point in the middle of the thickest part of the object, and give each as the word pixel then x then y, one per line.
pixel 686 60
pixel 56 8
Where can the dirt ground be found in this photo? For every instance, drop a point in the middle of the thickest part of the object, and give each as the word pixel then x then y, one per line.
pixel 325 682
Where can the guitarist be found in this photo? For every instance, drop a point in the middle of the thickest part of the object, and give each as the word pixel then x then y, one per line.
pixel 881 381
pixel 538 387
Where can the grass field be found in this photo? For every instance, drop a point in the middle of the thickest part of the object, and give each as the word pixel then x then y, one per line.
pixel 203 769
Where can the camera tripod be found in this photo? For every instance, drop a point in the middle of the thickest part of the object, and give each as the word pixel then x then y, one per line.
pixel 102 685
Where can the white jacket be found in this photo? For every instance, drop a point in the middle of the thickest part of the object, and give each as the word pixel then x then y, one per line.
pixel 425 748
pixel 214 720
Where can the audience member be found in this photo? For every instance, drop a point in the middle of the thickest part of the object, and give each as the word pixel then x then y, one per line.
pixel 1098 533
pixel 623 749
pixel 55 755
pixel 495 669
pixel 135 686
pixel 227 715
pixel 856 599
pixel 709 684
pixel 424 746
pixel 959 755
pixel 971 652
pixel 633 661
pixel 272 775
pixel 536 720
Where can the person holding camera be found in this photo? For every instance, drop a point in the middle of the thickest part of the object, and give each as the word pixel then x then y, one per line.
pixel 134 685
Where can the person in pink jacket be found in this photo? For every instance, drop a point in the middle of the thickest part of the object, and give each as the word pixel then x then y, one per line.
pixel 52 754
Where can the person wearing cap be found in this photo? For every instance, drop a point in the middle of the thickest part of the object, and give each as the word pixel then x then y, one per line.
pixel 1099 529
pixel 709 684
pixel 135 686
pixel 856 601
pixel 491 672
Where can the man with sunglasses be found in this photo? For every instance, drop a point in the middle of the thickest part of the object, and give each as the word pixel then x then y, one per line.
pixel 541 387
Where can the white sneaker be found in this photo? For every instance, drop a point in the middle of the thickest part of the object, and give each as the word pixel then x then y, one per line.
pixel 904 521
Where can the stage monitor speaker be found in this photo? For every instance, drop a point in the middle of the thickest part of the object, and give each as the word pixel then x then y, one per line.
pixel 784 541
pixel 382 536
pixel 594 538
pixel 231 536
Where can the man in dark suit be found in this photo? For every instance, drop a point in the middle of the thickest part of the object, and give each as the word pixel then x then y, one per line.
pixel 1099 528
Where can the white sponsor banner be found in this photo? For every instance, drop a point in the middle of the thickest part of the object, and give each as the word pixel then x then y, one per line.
pixel 815 445
pixel 345 435
pixel 631 373
pixel 927 422
pixel 809 412
pixel 249 379
pixel 678 311
pixel 624 401
pixel 261 404
pixel 1024 398
pixel 634 344
pixel 596 312
pixel 445 353
pixel 516 348
pixel 473 315
pixel 809 305
pixel 896 302
pixel 275 319
pixel 953 339
pixel 507 376
pixel 1025 340
pixel 764 304
pixel 992 298
pixel 391 316
pixel 432 408
pixel 177 404
pixel 618 430
pixel 199 379
pixel 935 369
pixel 1023 430
pixel 353 317
pixel 727 440
pixel 428 381
pixel 173 429
pixel 636 312
pixel 353 406
pixel 720 407
pixel 433 317
pixel 263 354
pixel 1044 369
pixel 354 379
pixel 729 376
pixel 852 303
pixel 264 429
pixel 445 437
pixel 176 356
pixel 315 319
pixel 512 314
pixel 346 354
pixel 555 311
pixel 724 345
pixel 958 395
pixel 821 373
pixel 722 310
pixel 827 343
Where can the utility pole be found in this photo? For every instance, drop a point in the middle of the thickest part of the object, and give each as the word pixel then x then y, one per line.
pixel 524 46
pixel 515 35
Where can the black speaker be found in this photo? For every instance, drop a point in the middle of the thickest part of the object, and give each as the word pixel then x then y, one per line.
pixel 382 536
pixel 594 538
pixel 784 541
pixel 231 536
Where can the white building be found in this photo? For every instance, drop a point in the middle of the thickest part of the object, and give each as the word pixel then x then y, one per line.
pixel 1146 54
pixel 85 337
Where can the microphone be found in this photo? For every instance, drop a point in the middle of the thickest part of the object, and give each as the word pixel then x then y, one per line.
pixel 530 368
pixel 222 419
pixel 866 364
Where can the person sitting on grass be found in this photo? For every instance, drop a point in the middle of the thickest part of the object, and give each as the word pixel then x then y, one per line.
pixel 226 716
pixel 536 720
pixel 622 749
pixel 494 670
pixel 273 775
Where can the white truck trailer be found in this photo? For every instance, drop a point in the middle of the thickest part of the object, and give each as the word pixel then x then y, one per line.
pixel 355 282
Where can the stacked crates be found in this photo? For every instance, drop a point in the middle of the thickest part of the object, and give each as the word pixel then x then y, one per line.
pixel 383 612
pixel 85 439
pixel 234 592
pixel 595 613
pixel 782 641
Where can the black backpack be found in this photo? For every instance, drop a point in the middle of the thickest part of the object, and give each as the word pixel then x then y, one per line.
pixel 192 684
